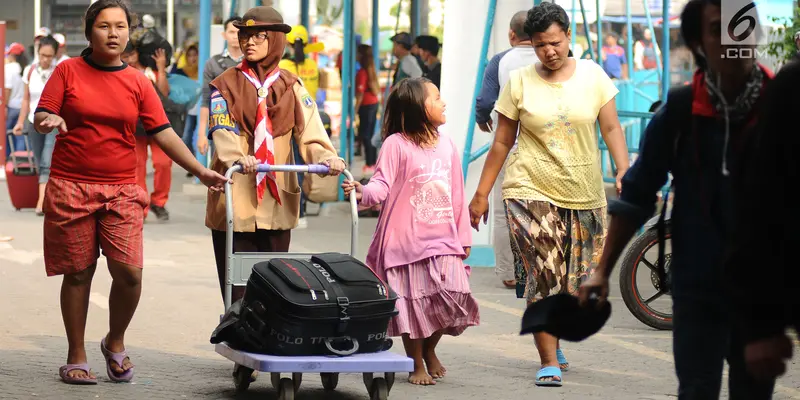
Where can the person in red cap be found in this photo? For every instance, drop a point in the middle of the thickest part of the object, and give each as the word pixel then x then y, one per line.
pixel 256 109
pixel 14 92
pixel 42 33
pixel 61 55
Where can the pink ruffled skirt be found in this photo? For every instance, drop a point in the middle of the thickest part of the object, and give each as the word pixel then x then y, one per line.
pixel 433 295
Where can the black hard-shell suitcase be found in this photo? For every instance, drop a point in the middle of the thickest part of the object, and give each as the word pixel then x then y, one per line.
pixel 331 305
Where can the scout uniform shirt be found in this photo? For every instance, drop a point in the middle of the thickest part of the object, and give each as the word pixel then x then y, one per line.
pixel 232 143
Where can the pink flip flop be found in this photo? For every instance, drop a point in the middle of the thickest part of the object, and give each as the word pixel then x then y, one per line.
pixel 64 371
pixel 118 358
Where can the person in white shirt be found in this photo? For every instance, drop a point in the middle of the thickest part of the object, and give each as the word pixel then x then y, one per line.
pixel 35 77
pixel 61 54
pixel 496 76
pixel 43 32
pixel 13 94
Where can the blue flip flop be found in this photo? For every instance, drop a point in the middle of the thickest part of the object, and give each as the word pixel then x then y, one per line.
pixel 549 372
pixel 562 360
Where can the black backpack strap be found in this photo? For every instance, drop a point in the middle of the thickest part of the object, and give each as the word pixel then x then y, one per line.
pixel 679 108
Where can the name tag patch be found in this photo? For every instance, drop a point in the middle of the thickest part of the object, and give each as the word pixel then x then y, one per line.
pixel 219 118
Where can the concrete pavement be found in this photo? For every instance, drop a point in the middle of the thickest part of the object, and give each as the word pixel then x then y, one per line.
pixel 169 337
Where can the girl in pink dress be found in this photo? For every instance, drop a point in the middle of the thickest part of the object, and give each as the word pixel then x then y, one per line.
pixel 423 232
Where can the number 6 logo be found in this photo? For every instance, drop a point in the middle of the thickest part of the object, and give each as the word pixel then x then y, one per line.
pixel 740 18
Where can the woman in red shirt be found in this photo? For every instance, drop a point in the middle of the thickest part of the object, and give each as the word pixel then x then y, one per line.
pixel 92 201
pixel 367 89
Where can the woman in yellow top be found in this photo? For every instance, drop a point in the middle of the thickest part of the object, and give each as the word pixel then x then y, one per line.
pixel 300 64
pixel 553 188
pixel 255 110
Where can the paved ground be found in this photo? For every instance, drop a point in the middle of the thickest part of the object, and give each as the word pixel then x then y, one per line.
pixel 169 336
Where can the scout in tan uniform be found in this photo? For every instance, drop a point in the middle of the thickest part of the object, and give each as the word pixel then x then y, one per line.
pixel 255 110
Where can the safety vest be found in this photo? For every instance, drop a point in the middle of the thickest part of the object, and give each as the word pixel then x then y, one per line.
pixel 308 72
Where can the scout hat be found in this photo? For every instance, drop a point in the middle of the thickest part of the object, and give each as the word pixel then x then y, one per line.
pixel 263 17
pixel 562 316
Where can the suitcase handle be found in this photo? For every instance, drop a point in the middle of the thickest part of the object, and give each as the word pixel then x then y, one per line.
pixel 227 294
pixel 340 352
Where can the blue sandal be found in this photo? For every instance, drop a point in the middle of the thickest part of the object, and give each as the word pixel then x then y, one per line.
pixel 549 372
pixel 562 360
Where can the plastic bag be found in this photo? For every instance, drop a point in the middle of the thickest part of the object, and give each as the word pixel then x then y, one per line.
pixel 183 90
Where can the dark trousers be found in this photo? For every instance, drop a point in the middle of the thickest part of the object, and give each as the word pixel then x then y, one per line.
pixel 261 241
pixel 703 339
pixel 368 117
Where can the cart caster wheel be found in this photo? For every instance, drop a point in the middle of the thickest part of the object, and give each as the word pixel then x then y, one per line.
pixel 329 380
pixel 275 379
pixel 380 389
pixel 297 378
pixel 286 389
pixel 242 377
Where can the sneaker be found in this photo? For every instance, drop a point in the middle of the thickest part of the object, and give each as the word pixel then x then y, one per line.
pixel 302 223
pixel 161 213
pixel 368 171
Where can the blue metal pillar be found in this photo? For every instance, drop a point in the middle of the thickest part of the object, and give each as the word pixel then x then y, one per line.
pixel 348 66
pixel 468 156
pixel 415 18
pixel 666 77
pixel 205 53
pixel 233 10
pixel 304 15
pixel 629 40
pixel 376 36
pixel 572 28
pixel 588 36
pixel 649 17
pixel 599 33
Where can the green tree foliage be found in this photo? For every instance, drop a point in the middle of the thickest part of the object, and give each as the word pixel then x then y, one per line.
pixel 782 45
pixel 328 14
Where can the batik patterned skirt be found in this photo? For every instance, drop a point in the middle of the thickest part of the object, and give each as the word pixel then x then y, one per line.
pixel 555 249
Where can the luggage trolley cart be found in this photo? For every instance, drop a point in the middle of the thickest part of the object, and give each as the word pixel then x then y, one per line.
pixel 238 269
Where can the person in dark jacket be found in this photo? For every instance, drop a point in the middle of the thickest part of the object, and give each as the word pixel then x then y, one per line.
pixel 766 244
pixel 700 140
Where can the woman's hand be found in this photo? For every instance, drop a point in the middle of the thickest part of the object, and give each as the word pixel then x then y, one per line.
pixel 52 122
pixel 214 181
pixel 160 57
pixel 249 164
pixel 478 207
pixel 17 129
pixel 467 251
pixel 335 166
pixel 620 174
pixel 350 186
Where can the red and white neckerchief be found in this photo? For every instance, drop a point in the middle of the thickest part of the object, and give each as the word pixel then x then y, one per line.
pixel 264 145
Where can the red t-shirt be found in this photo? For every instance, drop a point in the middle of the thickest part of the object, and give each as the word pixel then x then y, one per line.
pixel 100 106
pixel 362 86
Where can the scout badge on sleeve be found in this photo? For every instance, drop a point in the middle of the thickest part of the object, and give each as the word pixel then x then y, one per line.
pixel 218 117
pixel 264 145
pixel 307 100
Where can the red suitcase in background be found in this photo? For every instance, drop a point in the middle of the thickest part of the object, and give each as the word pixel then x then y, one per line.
pixel 22 176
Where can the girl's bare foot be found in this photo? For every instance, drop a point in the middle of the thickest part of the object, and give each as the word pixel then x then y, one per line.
pixel 420 377
pixel 435 367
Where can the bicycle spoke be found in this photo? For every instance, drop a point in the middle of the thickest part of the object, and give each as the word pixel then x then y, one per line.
pixel 654 297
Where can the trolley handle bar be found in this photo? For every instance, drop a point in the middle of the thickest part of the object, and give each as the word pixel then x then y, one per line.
pixel 309 169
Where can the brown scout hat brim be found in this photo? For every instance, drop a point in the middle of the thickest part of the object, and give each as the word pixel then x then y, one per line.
pixel 266 18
